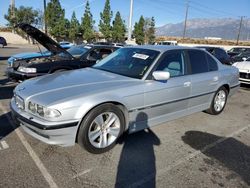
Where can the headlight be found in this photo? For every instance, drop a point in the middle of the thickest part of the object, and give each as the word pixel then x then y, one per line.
pixel 43 111
pixel 26 69
pixel 32 107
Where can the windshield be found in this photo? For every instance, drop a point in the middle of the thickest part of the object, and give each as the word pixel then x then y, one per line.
pixel 237 50
pixel 131 62
pixel 78 51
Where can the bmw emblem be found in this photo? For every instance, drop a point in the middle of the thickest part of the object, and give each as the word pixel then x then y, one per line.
pixel 21 89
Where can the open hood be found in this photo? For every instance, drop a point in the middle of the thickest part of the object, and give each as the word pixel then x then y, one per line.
pixel 43 39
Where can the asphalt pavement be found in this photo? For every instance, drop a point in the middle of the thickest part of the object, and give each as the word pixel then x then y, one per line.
pixel 199 150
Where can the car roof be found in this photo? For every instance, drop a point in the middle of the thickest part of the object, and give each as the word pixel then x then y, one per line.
pixel 161 48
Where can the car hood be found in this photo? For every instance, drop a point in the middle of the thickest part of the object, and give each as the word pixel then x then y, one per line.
pixel 30 55
pixel 244 65
pixel 72 84
pixel 42 38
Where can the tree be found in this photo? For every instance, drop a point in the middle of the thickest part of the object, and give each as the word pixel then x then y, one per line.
pixel 119 29
pixel 22 14
pixel 139 31
pixel 56 22
pixel 88 24
pixel 104 25
pixel 74 27
pixel 149 28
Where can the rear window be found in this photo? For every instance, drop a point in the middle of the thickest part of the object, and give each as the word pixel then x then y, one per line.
pixel 198 61
pixel 212 64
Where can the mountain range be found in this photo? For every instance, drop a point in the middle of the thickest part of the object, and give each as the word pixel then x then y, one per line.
pixel 225 28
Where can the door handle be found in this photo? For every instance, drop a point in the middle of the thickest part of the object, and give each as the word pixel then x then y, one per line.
pixel 215 79
pixel 187 84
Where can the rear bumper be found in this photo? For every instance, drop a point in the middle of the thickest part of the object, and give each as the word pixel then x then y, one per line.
pixel 56 133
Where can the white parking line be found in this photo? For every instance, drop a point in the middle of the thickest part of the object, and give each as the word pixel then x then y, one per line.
pixel 188 157
pixel 4 145
pixel 82 173
pixel 32 153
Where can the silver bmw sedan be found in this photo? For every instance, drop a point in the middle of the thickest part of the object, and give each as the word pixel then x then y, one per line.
pixel 132 89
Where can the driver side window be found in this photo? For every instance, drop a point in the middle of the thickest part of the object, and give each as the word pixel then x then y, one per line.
pixel 172 62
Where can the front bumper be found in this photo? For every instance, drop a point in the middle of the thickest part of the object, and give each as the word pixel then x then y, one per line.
pixel 244 77
pixel 56 133
pixel 19 76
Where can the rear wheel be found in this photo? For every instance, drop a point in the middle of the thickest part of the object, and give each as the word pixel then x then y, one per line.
pixel 101 128
pixel 219 101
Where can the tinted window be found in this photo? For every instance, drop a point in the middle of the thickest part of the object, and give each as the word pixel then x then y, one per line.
pixel 211 63
pixel 220 54
pixel 172 62
pixel 131 62
pixel 198 61
pixel 77 50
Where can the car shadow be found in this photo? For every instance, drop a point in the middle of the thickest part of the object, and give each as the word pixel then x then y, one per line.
pixel 10 47
pixel 4 58
pixel 245 86
pixel 5 126
pixel 230 152
pixel 137 159
pixel 6 91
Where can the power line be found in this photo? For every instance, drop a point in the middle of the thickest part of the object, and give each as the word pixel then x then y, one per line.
pixel 212 9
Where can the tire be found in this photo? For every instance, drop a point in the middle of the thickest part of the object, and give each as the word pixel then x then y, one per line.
pixel 95 132
pixel 219 101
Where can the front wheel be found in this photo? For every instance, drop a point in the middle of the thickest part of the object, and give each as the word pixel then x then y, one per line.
pixel 101 128
pixel 219 101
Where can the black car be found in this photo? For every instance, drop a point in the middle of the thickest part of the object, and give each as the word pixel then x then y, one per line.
pixel 219 53
pixel 241 57
pixel 3 42
pixel 61 60
pixel 237 50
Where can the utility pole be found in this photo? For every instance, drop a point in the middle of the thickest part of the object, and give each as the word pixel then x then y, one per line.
pixel 12 8
pixel 185 24
pixel 238 37
pixel 45 21
pixel 130 20
pixel 12 5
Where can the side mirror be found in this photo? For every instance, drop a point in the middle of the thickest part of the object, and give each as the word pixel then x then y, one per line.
pixel 244 58
pixel 161 75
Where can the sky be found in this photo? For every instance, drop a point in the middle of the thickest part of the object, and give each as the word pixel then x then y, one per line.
pixel 164 11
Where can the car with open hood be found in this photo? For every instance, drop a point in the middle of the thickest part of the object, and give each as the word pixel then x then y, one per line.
pixel 60 59
pixel 132 89
pixel 244 69
pixel 26 56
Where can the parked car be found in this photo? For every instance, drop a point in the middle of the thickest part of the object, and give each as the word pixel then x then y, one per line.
pixel 237 50
pixel 110 43
pixel 244 69
pixel 27 56
pixel 241 57
pixel 219 53
pixel 132 89
pixel 3 42
pixel 60 60
pixel 66 44
pixel 167 42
